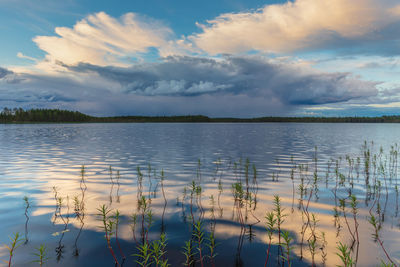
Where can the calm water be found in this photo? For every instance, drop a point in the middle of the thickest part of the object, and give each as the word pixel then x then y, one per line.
pixel 35 159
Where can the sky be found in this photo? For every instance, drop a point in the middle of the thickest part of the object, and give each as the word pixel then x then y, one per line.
pixel 220 58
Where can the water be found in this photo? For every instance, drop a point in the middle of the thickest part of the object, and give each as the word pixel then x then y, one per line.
pixel 35 159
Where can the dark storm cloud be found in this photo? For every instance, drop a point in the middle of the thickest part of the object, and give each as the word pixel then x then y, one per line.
pixel 4 72
pixel 251 76
pixel 231 86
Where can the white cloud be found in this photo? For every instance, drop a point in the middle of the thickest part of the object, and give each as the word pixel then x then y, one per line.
pixel 302 24
pixel 20 55
pixel 102 40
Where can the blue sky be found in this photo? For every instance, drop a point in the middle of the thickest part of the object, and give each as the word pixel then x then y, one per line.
pixel 217 58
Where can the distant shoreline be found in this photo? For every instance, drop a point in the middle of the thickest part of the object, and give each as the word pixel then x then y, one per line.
pixel 34 116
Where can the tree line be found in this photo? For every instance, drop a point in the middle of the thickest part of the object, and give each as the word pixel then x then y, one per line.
pixel 42 115
pixel 19 115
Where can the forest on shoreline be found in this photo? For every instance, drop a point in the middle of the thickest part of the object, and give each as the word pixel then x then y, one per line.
pixel 19 115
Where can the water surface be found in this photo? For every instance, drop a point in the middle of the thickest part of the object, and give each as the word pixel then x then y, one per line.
pixel 41 160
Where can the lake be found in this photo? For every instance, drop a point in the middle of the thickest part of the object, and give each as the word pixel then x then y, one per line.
pixel 313 168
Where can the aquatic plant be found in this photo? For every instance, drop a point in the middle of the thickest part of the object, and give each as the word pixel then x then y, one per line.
pixel 270 221
pixel 344 254
pixel 353 204
pixel 278 210
pixel 211 244
pixel 343 209
pixel 198 234
pixel 27 206
pixel 312 240
pixel 220 190
pixel 158 251
pixel 133 221
pixel 16 241
pixel 41 255
pixel 324 253
pixel 372 220
pixel 107 228
pixel 189 253
pixel 116 220
pixel 145 255
pixel 286 244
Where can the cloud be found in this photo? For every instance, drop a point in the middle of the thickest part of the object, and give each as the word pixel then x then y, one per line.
pixel 4 72
pixel 358 26
pixel 305 25
pixel 229 86
pixel 290 84
pixel 21 55
pixel 102 40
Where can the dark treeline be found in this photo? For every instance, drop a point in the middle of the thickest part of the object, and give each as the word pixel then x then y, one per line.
pixel 41 115
pixel 18 115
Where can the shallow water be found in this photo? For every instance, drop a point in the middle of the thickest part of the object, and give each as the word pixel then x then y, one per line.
pixel 36 158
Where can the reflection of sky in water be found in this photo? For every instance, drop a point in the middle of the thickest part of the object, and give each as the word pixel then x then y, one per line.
pixel 36 158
